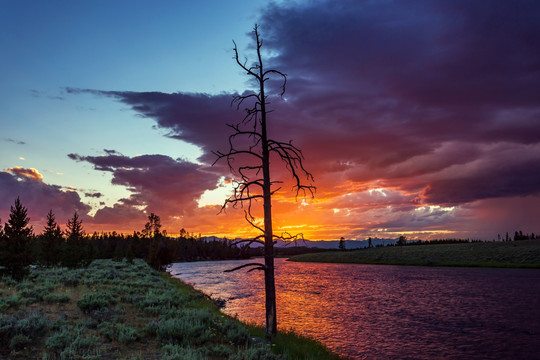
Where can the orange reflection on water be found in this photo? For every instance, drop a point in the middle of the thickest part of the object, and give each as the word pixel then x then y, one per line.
pixel 389 312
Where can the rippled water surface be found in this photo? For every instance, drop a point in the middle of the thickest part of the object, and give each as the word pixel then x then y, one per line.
pixel 389 312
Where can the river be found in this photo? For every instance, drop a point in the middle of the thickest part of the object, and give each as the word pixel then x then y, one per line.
pixel 389 312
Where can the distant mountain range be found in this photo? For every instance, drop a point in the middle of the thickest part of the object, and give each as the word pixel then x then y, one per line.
pixel 322 244
pixel 334 244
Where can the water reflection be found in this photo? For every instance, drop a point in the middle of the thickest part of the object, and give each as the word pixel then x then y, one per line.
pixel 390 312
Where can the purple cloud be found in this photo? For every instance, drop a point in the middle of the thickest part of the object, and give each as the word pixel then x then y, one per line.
pixel 39 198
pixel 159 184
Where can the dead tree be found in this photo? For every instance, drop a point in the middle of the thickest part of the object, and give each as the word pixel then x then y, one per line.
pixel 250 145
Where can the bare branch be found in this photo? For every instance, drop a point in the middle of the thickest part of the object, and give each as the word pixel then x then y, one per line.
pixel 250 219
pixel 289 238
pixel 249 241
pixel 284 77
pixel 257 267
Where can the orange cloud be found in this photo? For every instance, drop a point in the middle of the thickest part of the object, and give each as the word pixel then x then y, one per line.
pixel 28 173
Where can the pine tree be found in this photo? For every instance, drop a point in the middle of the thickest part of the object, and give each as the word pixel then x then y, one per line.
pixel 16 242
pixel 78 249
pixel 51 241
pixel 74 227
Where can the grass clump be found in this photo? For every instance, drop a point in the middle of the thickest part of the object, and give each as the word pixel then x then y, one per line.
pixel 57 298
pixel 175 352
pixel 123 333
pixel 95 301
pixel 183 332
pixel 260 352
pixel 235 332
pixel 11 302
pixel 19 342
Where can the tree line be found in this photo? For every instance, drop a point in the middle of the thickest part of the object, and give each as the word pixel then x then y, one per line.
pixel 21 247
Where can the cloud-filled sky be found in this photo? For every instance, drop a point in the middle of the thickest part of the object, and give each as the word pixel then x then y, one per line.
pixel 415 117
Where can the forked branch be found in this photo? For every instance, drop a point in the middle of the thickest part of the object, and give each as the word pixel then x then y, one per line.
pixel 254 266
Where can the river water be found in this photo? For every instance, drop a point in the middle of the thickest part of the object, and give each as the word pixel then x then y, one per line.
pixel 389 312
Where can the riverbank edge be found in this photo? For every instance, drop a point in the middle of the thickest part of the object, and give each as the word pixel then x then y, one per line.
pixel 430 255
pixel 287 342
pixel 428 264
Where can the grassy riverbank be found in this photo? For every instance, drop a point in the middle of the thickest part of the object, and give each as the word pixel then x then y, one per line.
pixel 118 310
pixel 525 254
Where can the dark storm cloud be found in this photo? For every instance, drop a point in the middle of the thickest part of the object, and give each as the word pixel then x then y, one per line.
pixel 518 179
pixel 196 118
pixel 406 93
pixel 159 183
pixel 398 89
pixel 428 52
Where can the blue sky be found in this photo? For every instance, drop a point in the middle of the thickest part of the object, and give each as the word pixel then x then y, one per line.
pixel 166 46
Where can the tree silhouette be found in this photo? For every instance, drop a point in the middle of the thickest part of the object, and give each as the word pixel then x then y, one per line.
pixel 15 249
pixel 51 241
pixel 342 243
pixel 251 145
pixel 402 240
pixel 159 255
pixel 77 250
pixel 74 227
pixel 152 229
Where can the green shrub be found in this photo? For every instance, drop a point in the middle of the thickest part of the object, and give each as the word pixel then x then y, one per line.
pixel 261 352
pixel 36 293
pixel 19 342
pixel 9 302
pixel 107 330
pixel 235 332
pixel 156 302
pixel 151 328
pixel 8 281
pixel 122 332
pixel 175 352
pixel 56 298
pixel 72 278
pixel 95 301
pixel 183 332
pixel 219 350
pixel 71 342
pixel 83 347
pixel 7 326
pixel 60 340
pixel 126 333
pixel 34 325
pixel 103 314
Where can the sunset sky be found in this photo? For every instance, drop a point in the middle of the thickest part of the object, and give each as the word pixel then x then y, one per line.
pixel 415 117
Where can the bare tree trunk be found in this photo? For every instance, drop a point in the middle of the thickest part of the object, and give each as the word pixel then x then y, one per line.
pixel 250 184
pixel 269 278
